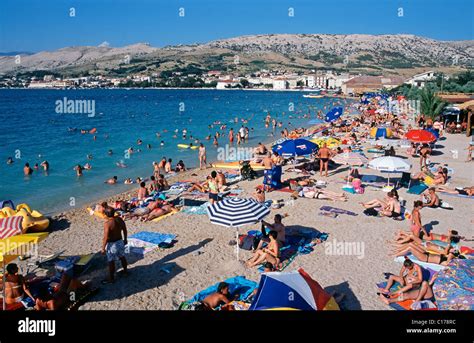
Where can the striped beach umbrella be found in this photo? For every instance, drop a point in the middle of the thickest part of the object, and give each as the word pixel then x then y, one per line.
pixel 10 226
pixel 236 212
pixel 291 291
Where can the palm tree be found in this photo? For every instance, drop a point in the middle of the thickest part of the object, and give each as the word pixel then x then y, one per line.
pixel 430 104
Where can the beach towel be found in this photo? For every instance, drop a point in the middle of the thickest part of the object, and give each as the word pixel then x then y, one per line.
pixel 10 226
pixel 301 242
pixel 165 215
pixel 337 210
pixel 200 210
pixel 138 247
pixel 238 285
pixel 407 305
pixel 160 239
pixel 432 266
pixel 417 189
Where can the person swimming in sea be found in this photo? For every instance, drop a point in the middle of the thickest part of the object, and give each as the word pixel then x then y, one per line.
pixel 139 141
pixel 128 181
pixel 111 181
pixel 10 160
pixel 78 170
pixel 110 152
pixel 121 164
pixel 87 166
pixel 162 143
pixel 148 146
pixel 45 165
pixel 89 156
pixel 27 169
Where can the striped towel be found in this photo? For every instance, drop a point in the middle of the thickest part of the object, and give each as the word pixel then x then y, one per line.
pixel 10 226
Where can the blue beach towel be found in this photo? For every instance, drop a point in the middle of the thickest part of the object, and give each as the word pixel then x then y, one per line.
pixel 417 189
pixel 237 285
pixel 154 237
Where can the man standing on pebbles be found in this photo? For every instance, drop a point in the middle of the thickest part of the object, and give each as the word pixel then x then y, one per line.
pixel 113 245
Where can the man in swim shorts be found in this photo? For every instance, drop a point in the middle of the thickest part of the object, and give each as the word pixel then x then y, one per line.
pixel 113 245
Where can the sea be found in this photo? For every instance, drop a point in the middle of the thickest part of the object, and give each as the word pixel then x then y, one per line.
pixel 46 124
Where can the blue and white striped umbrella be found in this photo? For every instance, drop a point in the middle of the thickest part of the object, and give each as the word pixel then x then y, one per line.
pixel 235 212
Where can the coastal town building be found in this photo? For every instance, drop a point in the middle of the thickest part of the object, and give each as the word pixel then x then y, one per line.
pixel 365 83
pixel 420 80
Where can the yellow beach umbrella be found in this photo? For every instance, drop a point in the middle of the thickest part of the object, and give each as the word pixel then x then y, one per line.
pixel 14 246
pixel 330 141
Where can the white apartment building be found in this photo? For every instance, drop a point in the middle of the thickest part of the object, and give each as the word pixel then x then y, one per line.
pixel 419 80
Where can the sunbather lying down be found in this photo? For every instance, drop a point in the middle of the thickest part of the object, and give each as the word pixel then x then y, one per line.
pixel 406 239
pixel 469 191
pixel 316 193
pixel 152 211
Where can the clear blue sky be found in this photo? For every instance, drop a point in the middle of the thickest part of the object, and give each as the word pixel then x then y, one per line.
pixel 35 25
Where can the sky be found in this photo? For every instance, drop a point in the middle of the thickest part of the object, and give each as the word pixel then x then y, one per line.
pixel 37 25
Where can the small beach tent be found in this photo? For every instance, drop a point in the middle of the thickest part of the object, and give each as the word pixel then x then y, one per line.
pixel 453 287
pixel 380 132
pixel 334 114
pixel 390 164
pixel 295 147
pixel 291 291
pixel 420 136
pixel 235 212
pixel 13 247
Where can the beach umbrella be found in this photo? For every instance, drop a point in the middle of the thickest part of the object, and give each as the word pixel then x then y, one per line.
pixel 453 288
pixel 420 136
pixel 14 246
pixel 235 212
pixel 295 147
pixel 389 164
pixel 334 114
pixel 291 291
pixel 331 142
pixel 380 132
pixel 351 159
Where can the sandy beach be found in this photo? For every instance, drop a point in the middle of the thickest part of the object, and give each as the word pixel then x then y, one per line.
pixel 202 255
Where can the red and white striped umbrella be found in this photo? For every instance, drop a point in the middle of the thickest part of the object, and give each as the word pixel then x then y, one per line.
pixel 10 226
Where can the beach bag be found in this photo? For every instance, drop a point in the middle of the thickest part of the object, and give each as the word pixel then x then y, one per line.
pixel 246 242
pixel 357 184
pixel 371 212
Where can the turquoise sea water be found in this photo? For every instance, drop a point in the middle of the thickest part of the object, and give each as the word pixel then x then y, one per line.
pixel 33 131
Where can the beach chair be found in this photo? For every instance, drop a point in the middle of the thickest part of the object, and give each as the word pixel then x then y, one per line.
pixel 405 181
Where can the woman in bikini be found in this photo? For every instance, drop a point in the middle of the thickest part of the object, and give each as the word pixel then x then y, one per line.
pixel 269 254
pixel 316 193
pixel 421 254
pixel 468 191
